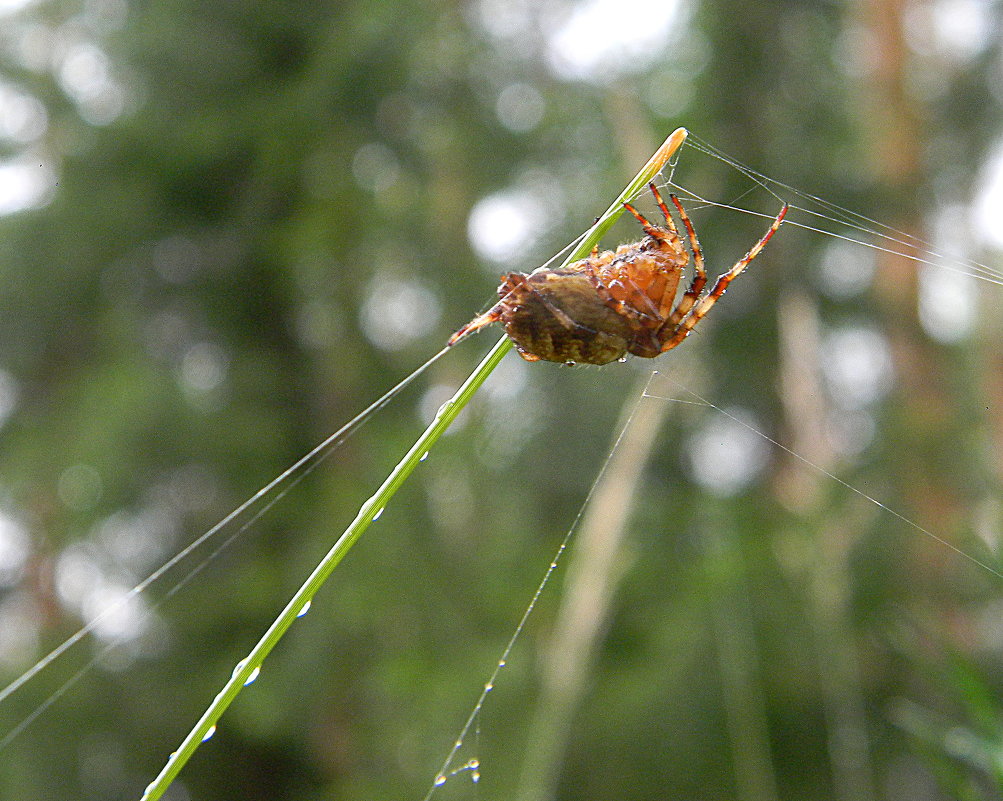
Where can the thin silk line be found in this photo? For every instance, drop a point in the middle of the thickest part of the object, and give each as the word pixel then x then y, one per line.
pixel 446 771
pixel 835 478
pixel 331 441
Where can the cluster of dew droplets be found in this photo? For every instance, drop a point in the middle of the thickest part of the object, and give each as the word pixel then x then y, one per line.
pixel 471 766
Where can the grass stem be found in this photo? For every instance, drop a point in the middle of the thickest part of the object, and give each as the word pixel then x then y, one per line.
pixel 247 669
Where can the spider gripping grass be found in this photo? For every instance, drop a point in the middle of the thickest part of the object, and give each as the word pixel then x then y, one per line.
pixel 608 304
pixel 248 667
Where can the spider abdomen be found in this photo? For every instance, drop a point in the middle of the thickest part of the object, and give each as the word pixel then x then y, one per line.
pixel 558 316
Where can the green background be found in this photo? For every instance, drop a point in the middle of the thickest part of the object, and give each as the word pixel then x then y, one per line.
pixel 257 219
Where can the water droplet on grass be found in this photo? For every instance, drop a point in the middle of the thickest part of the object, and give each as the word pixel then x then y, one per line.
pixel 377 515
pixel 305 609
pixel 254 674
pixel 208 735
pixel 424 456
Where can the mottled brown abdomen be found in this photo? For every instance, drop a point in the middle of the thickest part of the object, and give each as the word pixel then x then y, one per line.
pixel 558 316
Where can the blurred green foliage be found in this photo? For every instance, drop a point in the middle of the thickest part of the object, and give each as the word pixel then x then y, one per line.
pixel 257 222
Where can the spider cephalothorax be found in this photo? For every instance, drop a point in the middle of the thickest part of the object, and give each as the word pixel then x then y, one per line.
pixel 600 308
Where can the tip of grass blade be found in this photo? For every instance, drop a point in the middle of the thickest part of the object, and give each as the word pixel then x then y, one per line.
pixel 661 156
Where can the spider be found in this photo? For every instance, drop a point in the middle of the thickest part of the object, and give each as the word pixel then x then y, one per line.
pixel 598 309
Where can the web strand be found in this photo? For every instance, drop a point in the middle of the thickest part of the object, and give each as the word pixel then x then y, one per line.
pixel 316 454
pixel 447 770
pixel 818 468
pixel 898 242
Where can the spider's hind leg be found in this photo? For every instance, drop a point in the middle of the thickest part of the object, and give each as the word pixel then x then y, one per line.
pixel 673 337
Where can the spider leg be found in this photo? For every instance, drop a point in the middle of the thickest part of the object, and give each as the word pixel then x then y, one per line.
pixel 669 222
pixel 661 234
pixel 626 298
pixel 699 273
pixel 677 335
pixel 492 315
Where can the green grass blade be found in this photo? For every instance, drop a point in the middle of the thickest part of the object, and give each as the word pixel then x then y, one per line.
pixel 247 668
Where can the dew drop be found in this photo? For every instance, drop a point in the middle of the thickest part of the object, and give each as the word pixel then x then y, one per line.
pixel 501 663
pixel 439 780
pixel 377 515
pixel 239 667
pixel 488 687
pixel 569 363
pixel 254 674
pixel 424 456
pixel 305 609
pixel 473 764
pixel 622 359
pixel 475 776
pixel 208 735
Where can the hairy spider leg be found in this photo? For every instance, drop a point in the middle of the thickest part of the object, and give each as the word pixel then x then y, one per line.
pixel 635 306
pixel 658 289
pixel 699 273
pixel 694 317
pixel 655 293
pixel 492 315
pixel 671 236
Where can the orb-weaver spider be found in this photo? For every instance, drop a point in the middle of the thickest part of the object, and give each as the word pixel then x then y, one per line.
pixel 607 305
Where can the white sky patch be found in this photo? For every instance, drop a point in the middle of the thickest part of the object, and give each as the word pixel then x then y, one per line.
pixel 506 19
pixel 947 303
pixel 85 74
pixel 846 269
pixel 505 226
pixel 13 6
pixel 989 200
pixel 948 297
pixel 603 39
pixel 86 587
pixel 115 612
pixel 520 107
pixel 15 547
pixel 23 118
pixel 25 183
pixel 857 366
pixel 724 455
pixel 397 312
pixel 957 30
pixel 204 367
